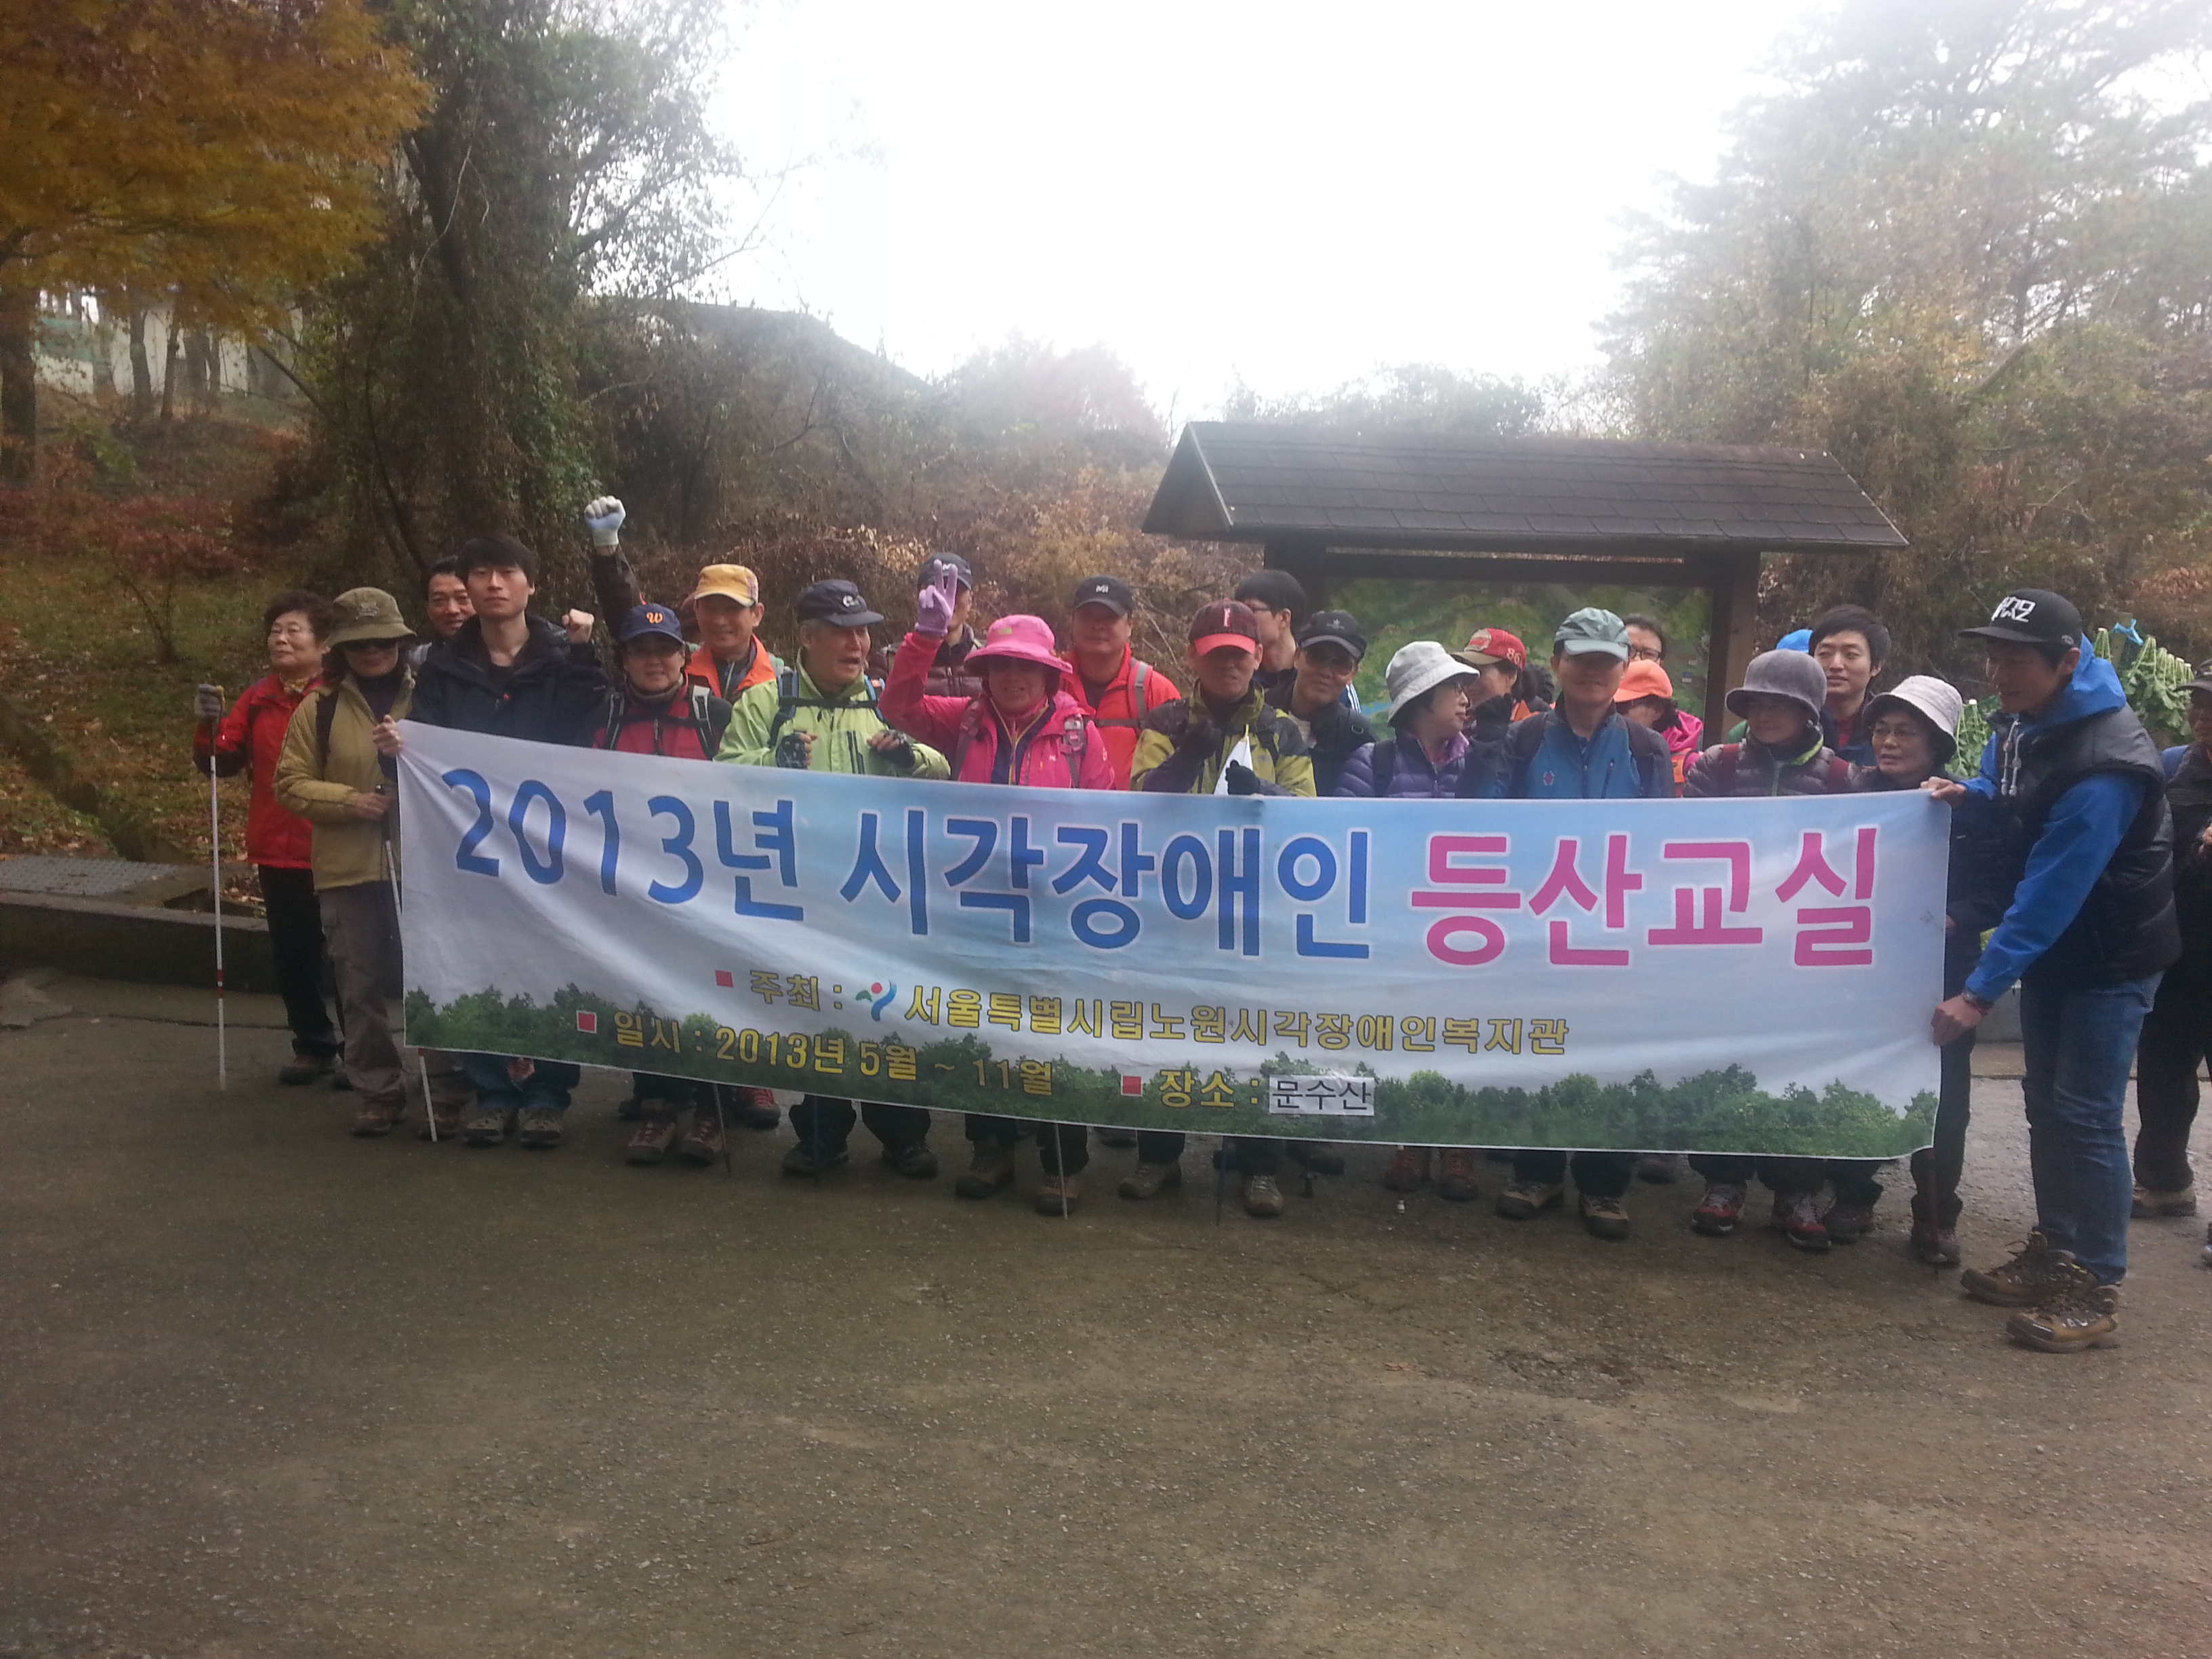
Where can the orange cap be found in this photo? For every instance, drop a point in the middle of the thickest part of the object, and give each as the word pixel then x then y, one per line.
pixel 1644 679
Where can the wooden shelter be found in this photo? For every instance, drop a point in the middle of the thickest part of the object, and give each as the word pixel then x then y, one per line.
pixel 1330 506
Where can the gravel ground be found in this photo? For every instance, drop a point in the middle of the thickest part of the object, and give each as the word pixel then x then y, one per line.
pixel 270 1390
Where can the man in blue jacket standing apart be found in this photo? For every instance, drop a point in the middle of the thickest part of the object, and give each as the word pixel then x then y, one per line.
pixel 2071 789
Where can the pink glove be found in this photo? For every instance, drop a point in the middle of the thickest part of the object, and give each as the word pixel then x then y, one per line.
pixel 933 607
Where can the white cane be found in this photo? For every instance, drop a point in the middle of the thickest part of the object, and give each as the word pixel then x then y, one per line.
pixel 421 1066
pixel 215 866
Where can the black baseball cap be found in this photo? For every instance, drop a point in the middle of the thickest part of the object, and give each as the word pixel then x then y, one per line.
pixel 838 602
pixel 934 566
pixel 2030 615
pixel 2203 680
pixel 1335 628
pixel 1109 591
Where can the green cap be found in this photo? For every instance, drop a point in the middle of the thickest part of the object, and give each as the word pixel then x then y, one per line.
pixel 1592 630
pixel 362 614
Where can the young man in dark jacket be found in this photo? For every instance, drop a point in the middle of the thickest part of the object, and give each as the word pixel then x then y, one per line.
pixel 1579 749
pixel 2177 1035
pixel 2071 784
pixel 512 675
pixel 1330 650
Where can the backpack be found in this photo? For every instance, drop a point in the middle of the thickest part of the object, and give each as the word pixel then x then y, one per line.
pixel 1137 695
pixel 787 699
pixel 1646 748
pixel 698 717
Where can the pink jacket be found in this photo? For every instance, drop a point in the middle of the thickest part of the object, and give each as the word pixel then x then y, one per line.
pixel 1059 749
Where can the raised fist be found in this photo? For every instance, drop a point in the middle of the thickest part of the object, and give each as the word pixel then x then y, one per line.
pixel 207 702
pixel 603 518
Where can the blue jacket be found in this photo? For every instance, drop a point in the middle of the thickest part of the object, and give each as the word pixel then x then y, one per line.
pixel 1540 758
pixel 2080 837
pixel 1410 774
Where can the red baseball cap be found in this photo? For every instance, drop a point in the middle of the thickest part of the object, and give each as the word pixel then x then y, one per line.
pixel 1221 622
pixel 1489 645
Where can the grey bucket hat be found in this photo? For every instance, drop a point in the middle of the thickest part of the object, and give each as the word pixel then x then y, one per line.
pixel 1790 674
pixel 361 615
pixel 1417 669
pixel 1935 700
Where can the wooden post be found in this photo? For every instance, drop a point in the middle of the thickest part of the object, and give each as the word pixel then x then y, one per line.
pixel 1733 632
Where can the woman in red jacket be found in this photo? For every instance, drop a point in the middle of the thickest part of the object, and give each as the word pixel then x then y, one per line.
pixel 1024 729
pixel 249 740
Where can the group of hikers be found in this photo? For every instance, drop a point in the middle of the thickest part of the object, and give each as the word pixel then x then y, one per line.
pixel 2078 856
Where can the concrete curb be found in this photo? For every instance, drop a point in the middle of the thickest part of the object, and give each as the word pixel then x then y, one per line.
pixel 101 939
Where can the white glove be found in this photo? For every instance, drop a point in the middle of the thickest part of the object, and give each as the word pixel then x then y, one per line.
pixel 934 605
pixel 207 702
pixel 603 518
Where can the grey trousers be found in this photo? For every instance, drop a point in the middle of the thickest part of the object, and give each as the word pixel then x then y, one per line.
pixel 361 924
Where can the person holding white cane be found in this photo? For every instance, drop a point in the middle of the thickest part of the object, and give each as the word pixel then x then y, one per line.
pixel 332 773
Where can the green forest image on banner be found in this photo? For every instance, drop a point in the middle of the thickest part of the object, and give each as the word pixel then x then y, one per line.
pixel 1637 975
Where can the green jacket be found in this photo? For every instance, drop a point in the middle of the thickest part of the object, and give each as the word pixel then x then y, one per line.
pixel 316 783
pixel 842 725
pixel 1279 754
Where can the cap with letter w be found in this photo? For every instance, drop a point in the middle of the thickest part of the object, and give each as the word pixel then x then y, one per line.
pixel 2030 615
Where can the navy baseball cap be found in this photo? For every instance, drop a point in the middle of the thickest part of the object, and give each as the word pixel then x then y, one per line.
pixel 934 566
pixel 838 602
pixel 648 618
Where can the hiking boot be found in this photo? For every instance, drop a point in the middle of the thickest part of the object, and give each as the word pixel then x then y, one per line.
pixel 991 1168
pixel 448 1125
pixel 1658 1168
pixel 1847 1224
pixel 1263 1198
pixel 702 1143
pixel 2180 1201
pixel 539 1128
pixel 1059 1194
pixel 806 1160
pixel 1933 1240
pixel 2081 1314
pixel 1798 1216
pixel 1315 1157
pixel 1122 1138
pixel 486 1126
pixel 2033 1272
pixel 340 1082
pixel 1721 1209
pixel 656 1134
pixel 1456 1174
pixel 747 1108
pixel 1604 1218
pixel 305 1068
pixel 912 1160
pixel 1522 1201
pixel 1150 1180
pixel 1408 1171
pixel 379 1117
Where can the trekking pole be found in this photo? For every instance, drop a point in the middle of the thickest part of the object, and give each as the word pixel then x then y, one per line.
pixel 1220 1175
pixel 215 869
pixel 421 1066
pixel 722 1123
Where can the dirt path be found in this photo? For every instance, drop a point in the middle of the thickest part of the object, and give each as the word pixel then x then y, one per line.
pixel 268 1390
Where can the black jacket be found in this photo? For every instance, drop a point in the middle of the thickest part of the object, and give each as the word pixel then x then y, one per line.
pixel 556 693
pixel 1338 733
pixel 1974 901
pixel 2190 795
pixel 2126 927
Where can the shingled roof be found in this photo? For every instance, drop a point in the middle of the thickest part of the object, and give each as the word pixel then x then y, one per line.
pixel 1238 482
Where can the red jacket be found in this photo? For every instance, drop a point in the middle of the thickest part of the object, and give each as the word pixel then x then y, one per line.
pixel 1135 690
pixel 686 724
pixel 249 740
pixel 1057 749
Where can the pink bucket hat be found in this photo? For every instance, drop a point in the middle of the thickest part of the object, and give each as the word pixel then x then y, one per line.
pixel 1019 639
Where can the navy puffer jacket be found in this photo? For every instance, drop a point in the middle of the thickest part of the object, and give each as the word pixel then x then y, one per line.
pixel 1398 769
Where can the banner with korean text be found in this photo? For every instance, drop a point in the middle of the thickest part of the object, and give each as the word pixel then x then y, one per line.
pixel 1741 975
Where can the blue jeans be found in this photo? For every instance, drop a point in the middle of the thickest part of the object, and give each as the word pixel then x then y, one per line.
pixel 2078 1045
pixel 547 1088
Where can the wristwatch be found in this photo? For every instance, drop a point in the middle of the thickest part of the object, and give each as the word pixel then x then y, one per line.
pixel 1980 1004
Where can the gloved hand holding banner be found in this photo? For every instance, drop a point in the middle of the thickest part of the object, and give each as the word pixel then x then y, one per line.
pixel 1722 975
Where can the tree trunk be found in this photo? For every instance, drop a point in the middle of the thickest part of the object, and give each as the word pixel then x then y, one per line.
pixel 169 374
pixel 18 385
pixel 142 371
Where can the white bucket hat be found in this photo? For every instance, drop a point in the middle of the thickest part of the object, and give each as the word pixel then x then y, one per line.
pixel 1935 700
pixel 1417 668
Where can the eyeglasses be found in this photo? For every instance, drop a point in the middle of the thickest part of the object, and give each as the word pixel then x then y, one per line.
pixel 1646 654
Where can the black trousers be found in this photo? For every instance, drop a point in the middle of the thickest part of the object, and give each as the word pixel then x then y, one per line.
pixel 677 1091
pixel 824 1123
pixel 2176 1033
pixel 295 941
pixel 1251 1155
pixel 1602 1174
pixel 1064 1148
